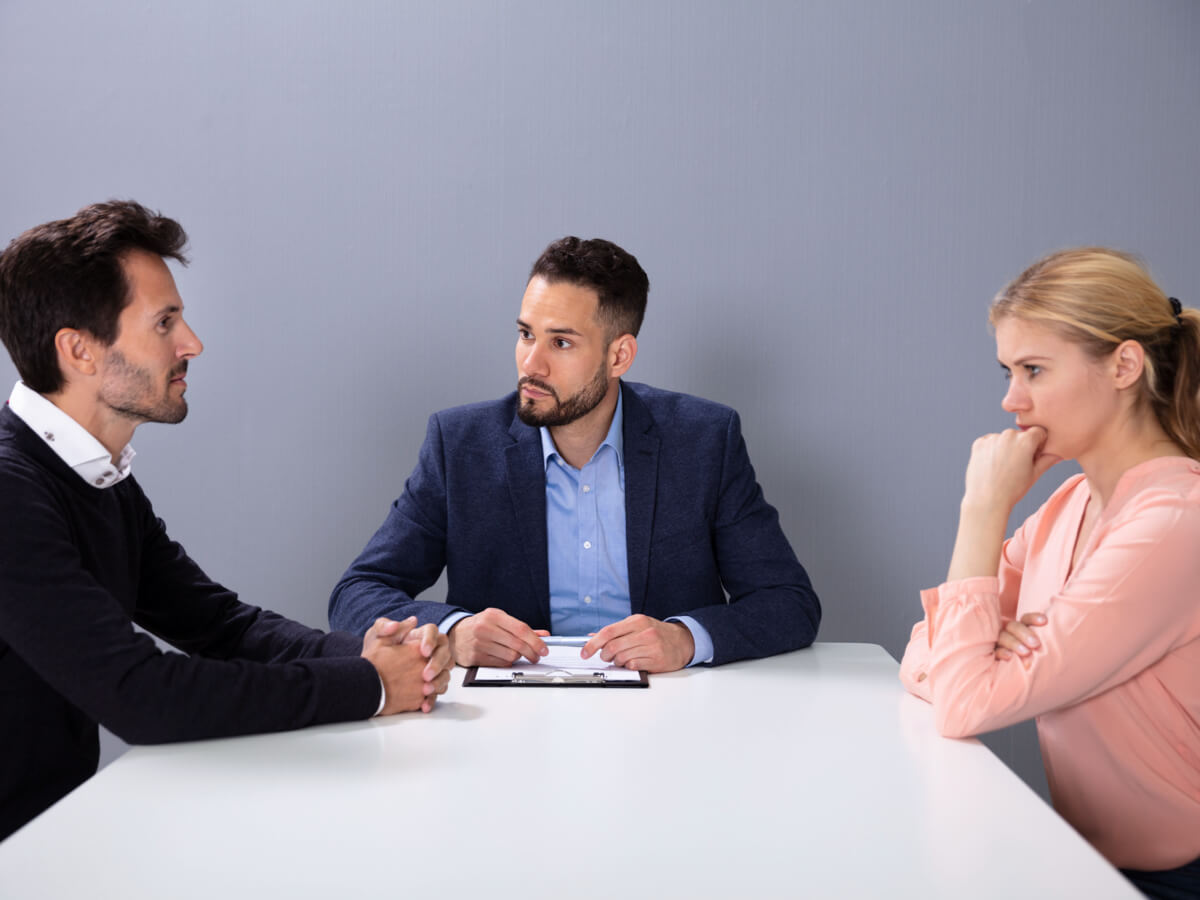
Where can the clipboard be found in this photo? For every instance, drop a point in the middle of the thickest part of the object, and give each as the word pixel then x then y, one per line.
pixel 516 677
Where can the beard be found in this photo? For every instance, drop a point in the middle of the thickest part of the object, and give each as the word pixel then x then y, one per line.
pixel 128 391
pixel 566 411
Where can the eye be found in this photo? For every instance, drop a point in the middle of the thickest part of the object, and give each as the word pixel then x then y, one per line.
pixel 524 334
pixel 164 323
pixel 1007 373
pixel 561 343
pixel 1033 370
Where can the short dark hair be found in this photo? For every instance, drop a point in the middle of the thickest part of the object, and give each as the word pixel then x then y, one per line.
pixel 615 276
pixel 68 274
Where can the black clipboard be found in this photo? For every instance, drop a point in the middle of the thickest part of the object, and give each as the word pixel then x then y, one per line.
pixel 581 678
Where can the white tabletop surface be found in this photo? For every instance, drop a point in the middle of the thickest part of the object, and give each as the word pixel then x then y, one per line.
pixel 810 774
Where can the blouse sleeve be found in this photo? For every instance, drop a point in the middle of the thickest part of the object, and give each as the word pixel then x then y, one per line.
pixel 914 667
pixel 1131 601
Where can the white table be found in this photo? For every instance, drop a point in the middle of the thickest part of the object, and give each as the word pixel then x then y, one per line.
pixel 810 774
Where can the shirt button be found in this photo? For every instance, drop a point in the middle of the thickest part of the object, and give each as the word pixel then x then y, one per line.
pixel 921 677
pixel 587 599
pixel 587 545
pixel 587 488
pixel 100 482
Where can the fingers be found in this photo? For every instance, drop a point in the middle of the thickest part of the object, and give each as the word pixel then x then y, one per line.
pixel 1009 641
pixel 1032 437
pixel 642 642
pixel 511 633
pixel 435 647
pixel 1018 637
pixel 389 630
pixel 601 638
pixel 437 685
pixel 494 638
pixel 1043 462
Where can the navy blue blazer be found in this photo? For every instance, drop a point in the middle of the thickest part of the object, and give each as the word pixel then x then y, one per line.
pixel 697 528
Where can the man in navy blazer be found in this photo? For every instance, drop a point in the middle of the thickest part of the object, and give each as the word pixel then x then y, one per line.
pixel 586 504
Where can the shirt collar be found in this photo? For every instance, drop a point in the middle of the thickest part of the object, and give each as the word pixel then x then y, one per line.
pixel 615 439
pixel 69 440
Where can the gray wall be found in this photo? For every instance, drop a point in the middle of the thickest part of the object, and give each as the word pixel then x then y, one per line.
pixel 825 196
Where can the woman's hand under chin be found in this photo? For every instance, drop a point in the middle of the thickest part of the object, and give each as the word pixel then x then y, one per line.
pixel 1003 467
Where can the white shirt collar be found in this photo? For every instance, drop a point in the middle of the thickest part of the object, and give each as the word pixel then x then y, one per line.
pixel 70 441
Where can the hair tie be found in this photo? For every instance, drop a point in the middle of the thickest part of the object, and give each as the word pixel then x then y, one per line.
pixel 1176 308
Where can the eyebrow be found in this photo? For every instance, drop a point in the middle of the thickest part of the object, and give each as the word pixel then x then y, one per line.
pixel 169 308
pixel 1026 360
pixel 527 327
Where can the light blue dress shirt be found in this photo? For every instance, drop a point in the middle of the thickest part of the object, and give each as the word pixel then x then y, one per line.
pixel 585 541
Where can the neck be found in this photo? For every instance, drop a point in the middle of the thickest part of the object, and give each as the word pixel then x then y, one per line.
pixel 111 430
pixel 1131 442
pixel 578 442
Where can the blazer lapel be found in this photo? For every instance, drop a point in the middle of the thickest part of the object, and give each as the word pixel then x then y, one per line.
pixel 641 487
pixel 527 487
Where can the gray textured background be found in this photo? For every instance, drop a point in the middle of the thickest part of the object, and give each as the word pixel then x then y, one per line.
pixel 824 194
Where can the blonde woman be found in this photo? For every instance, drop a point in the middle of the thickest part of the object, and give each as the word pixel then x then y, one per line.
pixel 1088 617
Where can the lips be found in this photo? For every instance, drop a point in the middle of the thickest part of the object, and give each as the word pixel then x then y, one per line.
pixel 534 390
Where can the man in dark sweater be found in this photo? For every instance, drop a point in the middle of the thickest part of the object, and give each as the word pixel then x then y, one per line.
pixel 91 316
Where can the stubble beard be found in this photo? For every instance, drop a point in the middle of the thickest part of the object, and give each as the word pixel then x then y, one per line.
pixel 127 391
pixel 566 411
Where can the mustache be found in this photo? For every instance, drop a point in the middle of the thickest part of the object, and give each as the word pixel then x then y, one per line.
pixel 540 385
pixel 180 369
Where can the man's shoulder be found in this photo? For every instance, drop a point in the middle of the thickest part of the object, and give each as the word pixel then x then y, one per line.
pixel 21 456
pixel 672 409
pixel 482 419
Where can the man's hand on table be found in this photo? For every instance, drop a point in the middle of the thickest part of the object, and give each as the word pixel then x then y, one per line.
pixel 413 663
pixel 494 638
pixel 640 642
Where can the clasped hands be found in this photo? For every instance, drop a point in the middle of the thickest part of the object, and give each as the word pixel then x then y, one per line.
pixel 494 638
pixel 413 663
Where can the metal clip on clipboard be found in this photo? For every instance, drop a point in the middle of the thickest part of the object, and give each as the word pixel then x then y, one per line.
pixel 556 678
pixel 475 677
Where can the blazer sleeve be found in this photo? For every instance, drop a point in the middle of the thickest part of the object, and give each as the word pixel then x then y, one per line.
pixel 405 556
pixel 772 607
pixel 79 639
pixel 1132 601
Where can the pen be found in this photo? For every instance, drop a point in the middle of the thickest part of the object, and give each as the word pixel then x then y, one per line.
pixel 557 640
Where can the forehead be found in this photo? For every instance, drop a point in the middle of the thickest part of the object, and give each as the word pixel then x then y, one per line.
pixel 559 304
pixel 151 284
pixel 1018 339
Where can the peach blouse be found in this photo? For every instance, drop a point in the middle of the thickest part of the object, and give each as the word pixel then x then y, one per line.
pixel 1115 685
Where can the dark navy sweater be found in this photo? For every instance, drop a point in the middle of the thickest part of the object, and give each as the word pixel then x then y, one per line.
pixel 78 567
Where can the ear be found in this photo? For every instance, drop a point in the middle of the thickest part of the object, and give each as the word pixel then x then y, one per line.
pixel 1129 361
pixel 621 354
pixel 77 353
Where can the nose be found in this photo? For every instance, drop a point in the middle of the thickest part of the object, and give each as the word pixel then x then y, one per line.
pixel 189 344
pixel 531 358
pixel 1015 398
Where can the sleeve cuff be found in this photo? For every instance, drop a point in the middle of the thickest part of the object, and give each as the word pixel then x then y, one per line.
pixel 451 620
pixel 700 637
pixel 933 600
